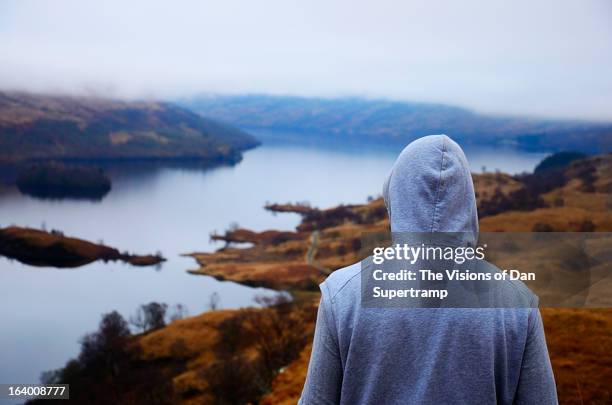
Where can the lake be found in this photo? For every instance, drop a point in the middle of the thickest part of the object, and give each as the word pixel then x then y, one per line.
pixel 44 311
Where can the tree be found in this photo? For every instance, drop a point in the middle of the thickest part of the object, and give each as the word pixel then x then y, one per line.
pixel 150 317
pixel 103 351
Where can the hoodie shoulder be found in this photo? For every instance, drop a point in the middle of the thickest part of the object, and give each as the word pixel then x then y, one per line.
pixel 339 280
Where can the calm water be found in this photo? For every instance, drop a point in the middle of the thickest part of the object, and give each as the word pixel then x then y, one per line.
pixel 44 311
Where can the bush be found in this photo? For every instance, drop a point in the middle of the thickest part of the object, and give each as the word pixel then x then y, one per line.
pixel 234 380
pixel 541 227
pixel 587 226
pixel 277 333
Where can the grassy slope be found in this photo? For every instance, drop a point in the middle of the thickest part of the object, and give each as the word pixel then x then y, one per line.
pixel 577 204
pixel 190 341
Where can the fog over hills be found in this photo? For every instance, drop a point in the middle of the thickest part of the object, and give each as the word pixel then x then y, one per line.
pixel 356 120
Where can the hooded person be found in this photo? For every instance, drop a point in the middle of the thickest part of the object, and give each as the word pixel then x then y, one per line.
pixel 364 355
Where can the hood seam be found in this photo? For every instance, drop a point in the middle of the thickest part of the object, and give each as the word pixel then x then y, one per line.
pixel 439 188
pixel 386 195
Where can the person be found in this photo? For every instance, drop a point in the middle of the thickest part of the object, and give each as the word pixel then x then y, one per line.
pixel 366 355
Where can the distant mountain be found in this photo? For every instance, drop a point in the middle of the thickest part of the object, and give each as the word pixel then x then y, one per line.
pixel 398 122
pixel 35 127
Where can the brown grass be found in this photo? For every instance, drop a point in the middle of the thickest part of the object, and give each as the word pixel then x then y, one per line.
pixel 189 341
pixel 580 343
pixel 487 184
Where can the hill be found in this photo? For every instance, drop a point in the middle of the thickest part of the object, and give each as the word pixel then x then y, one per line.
pixel 354 119
pixel 34 127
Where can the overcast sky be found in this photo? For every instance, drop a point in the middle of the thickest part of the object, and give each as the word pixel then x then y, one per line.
pixel 535 57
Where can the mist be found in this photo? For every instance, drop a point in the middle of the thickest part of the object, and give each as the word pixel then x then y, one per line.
pixel 543 58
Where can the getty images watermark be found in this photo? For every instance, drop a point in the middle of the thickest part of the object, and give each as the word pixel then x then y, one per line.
pixel 489 270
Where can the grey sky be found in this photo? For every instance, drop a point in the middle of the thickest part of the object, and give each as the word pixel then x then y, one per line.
pixel 536 57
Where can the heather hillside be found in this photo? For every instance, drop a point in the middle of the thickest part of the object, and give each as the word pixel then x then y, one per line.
pixel 34 127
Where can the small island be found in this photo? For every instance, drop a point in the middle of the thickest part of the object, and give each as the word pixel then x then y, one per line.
pixel 58 180
pixel 52 249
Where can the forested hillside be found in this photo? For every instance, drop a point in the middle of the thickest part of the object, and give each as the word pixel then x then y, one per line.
pixel 36 127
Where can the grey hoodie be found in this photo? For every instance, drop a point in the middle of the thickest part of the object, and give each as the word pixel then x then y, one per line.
pixel 425 355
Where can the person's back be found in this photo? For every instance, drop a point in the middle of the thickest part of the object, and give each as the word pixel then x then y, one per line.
pixel 426 355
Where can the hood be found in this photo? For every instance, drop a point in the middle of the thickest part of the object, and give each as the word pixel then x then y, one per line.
pixel 430 189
